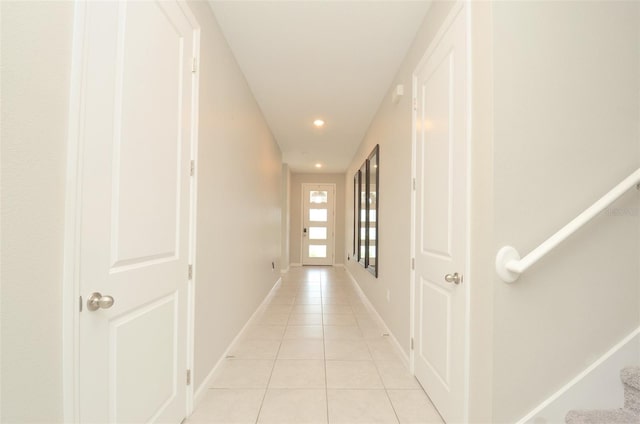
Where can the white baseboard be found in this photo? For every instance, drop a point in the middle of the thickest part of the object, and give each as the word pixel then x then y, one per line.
pixel 597 387
pixel 202 390
pixel 284 271
pixel 295 265
pixel 374 312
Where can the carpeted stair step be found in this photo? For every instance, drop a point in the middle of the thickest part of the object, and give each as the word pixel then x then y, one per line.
pixel 630 376
pixel 602 416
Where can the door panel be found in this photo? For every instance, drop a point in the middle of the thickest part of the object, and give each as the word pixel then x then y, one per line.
pixel 441 222
pixel 436 179
pixel 135 114
pixel 318 223
pixel 140 356
pixel 146 189
pixel 435 342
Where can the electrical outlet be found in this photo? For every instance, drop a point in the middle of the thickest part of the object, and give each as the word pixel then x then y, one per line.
pixel 273 265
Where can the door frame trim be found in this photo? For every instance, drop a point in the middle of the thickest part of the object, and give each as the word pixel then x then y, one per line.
pixel 193 206
pixel 333 247
pixel 73 199
pixel 71 281
pixel 461 6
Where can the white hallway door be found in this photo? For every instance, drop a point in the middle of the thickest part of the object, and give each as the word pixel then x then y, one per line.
pixel 440 225
pixel 318 216
pixel 133 208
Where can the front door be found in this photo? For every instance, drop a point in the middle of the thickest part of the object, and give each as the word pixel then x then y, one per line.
pixel 318 202
pixel 135 135
pixel 440 225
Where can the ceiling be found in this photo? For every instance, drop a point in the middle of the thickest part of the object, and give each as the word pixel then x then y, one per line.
pixel 330 60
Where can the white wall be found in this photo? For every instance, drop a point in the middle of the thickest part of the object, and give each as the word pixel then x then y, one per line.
pixel 391 128
pixel 481 261
pixel 239 200
pixel 296 213
pixel 36 61
pixel 566 129
pixel 286 218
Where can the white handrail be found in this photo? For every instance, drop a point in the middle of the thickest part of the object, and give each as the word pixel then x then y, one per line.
pixel 509 266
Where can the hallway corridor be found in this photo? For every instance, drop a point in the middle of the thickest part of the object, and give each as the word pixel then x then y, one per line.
pixel 314 355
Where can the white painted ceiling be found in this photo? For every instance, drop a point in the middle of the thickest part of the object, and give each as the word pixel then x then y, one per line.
pixel 333 60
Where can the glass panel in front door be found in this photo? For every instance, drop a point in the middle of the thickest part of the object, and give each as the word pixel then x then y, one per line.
pixel 318 196
pixel 318 215
pixel 317 251
pixel 318 233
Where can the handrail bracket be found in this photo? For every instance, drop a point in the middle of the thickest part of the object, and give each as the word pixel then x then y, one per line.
pixel 506 256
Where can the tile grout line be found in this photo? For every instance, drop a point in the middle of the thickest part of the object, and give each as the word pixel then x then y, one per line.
pixel 384 386
pixel 324 353
pixel 264 396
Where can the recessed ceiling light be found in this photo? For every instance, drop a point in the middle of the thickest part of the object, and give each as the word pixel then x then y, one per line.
pixel 318 165
pixel 318 123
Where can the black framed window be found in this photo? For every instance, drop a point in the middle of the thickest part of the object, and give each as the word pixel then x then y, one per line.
pixel 362 216
pixel 372 211
pixel 356 209
pixel 366 188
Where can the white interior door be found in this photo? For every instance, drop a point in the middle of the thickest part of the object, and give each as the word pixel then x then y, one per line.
pixel 441 222
pixel 318 218
pixel 134 170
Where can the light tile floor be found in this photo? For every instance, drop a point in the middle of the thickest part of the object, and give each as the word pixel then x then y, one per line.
pixel 314 355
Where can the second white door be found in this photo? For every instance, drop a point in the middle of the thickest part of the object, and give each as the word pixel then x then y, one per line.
pixel 318 203
pixel 440 292
pixel 135 114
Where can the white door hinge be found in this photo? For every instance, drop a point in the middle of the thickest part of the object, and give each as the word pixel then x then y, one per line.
pixel 413 263
pixel 411 343
pixel 194 66
pixel 415 103
pixel 414 184
pixel 192 170
pixel 80 303
pixel 188 377
pixel 190 272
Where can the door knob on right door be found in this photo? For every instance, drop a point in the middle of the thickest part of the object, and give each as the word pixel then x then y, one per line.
pixel 453 278
pixel 97 301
